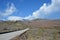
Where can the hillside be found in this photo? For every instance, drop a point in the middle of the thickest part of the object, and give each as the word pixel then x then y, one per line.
pixel 39 29
pixel 43 23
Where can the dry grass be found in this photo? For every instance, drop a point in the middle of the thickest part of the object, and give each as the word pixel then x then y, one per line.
pixel 39 30
pixel 40 34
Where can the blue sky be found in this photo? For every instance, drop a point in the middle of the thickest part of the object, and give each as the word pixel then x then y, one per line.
pixel 29 9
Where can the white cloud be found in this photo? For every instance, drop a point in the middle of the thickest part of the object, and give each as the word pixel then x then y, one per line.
pixel 10 9
pixel 14 18
pixel 45 10
pixel 30 17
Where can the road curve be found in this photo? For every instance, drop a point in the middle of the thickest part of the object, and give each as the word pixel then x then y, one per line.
pixel 11 35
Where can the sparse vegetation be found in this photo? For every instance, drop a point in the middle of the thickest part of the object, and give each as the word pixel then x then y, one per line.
pixel 39 30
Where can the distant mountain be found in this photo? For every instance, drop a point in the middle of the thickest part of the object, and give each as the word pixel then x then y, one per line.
pixel 1 21
pixel 43 23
